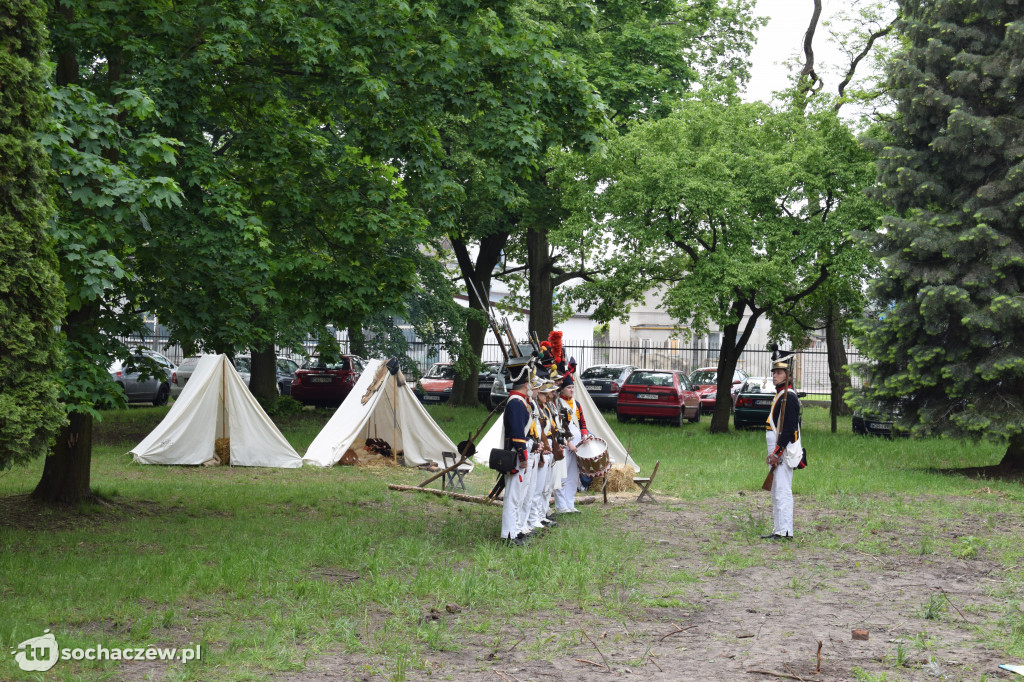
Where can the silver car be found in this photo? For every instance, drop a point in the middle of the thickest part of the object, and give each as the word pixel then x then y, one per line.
pixel 243 363
pixel 145 377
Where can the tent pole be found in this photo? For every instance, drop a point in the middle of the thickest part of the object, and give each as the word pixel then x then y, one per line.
pixel 394 447
pixel 223 404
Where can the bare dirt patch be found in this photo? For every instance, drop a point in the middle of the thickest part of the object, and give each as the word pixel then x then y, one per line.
pixel 750 609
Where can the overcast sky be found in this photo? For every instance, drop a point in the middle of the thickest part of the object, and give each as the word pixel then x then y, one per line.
pixel 782 37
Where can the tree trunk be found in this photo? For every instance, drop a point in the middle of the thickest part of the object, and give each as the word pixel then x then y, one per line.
pixel 733 342
pixel 542 289
pixel 478 275
pixel 263 373
pixel 1014 456
pixel 838 377
pixel 66 471
pixel 357 340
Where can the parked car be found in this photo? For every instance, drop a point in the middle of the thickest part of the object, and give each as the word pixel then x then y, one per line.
pixel 318 382
pixel 753 403
pixel 874 425
pixel 243 363
pixel 485 381
pixel 286 368
pixel 660 394
pixel 435 386
pixel 705 380
pixel 603 383
pixel 145 377
pixel 182 373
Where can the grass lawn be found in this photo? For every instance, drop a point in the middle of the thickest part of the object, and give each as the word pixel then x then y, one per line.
pixel 289 574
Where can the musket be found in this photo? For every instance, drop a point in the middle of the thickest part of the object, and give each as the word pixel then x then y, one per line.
pixel 511 338
pixel 490 318
pixel 535 341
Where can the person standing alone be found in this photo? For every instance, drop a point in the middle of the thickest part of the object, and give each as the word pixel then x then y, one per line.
pixel 785 450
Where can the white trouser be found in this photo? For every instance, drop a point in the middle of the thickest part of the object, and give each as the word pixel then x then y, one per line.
pixel 565 496
pixel 524 502
pixel 782 499
pixel 514 493
pixel 541 493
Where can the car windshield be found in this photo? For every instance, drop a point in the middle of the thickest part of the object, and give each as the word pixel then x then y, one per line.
pixel 599 372
pixel 243 364
pixel 317 363
pixel 757 385
pixel 440 372
pixel 489 369
pixel 704 376
pixel 650 379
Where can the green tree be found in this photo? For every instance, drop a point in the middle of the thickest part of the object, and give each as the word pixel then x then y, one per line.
pixel 639 57
pixel 735 210
pixel 31 295
pixel 946 350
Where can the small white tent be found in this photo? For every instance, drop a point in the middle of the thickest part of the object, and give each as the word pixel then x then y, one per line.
pixel 216 403
pixel 381 405
pixel 596 426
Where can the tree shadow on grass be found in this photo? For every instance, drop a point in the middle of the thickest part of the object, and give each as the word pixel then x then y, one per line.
pixel 996 472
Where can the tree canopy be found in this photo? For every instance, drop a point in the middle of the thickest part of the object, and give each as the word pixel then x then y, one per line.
pixel 947 345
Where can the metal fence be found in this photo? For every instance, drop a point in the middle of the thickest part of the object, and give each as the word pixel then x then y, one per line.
pixel 810 371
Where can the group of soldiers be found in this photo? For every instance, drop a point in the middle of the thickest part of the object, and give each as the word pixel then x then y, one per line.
pixel 543 425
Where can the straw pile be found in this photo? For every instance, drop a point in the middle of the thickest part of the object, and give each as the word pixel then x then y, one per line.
pixel 222 450
pixel 620 479
pixel 370 457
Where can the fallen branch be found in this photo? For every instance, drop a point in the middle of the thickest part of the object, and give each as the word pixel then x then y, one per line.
pixel 462 497
pixel 676 631
pixel 953 605
pixel 501 675
pixel 774 674
pixel 650 657
pixel 583 660
pixel 793 673
pixel 596 647
pixel 818 669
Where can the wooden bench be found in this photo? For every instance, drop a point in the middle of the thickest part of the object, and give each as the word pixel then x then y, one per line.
pixel 645 484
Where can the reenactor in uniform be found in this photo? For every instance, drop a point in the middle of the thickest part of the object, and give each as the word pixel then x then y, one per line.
pixel 544 480
pixel 565 493
pixel 785 451
pixel 518 423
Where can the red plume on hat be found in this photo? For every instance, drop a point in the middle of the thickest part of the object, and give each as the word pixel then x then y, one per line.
pixel 555 338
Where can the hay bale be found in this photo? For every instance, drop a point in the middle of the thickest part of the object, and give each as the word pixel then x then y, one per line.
pixel 222 448
pixel 620 480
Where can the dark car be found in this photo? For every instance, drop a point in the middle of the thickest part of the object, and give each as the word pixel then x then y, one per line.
pixel 603 383
pixel 318 382
pixel 705 380
pixel 753 403
pixel 435 386
pixel 243 363
pixel 145 377
pixel 286 369
pixel 485 381
pixel 658 394
pixel 873 425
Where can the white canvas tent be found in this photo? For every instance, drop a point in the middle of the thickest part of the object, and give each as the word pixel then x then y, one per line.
pixel 596 425
pixel 381 405
pixel 216 403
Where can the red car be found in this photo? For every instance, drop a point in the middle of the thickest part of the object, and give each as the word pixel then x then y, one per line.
pixel 705 382
pixel 436 385
pixel 659 394
pixel 326 383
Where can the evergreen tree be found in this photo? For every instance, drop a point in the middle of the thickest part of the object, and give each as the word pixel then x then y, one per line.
pixel 947 347
pixel 31 296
